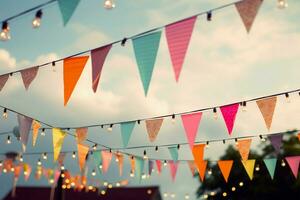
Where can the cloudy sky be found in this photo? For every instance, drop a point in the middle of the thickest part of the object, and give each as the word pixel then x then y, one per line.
pixel 224 64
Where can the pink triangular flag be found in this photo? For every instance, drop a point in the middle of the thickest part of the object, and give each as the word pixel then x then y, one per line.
pixel 98 58
pixel 106 158
pixel 229 114
pixel 293 162
pixel 192 166
pixel 173 169
pixel 178 37
pixel 28 75
pixel 3 80
pixel 158 165
pixel 191 124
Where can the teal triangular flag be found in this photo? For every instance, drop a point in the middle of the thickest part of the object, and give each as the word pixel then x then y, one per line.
pixel 145 49
pixel 67 8
pixel 97 160
pixel 139 167
pixel 271 165
pixel 174 153
pixel 126 131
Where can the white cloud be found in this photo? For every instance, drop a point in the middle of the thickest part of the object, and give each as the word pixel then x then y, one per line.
pixel 7 61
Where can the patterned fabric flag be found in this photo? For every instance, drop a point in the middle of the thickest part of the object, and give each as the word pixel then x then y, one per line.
pixel 126 131
pixel 229 113
pixel 28 75
pixel 201 166
pixel 67 8
pixel 97 160
pixel 267 108
pixel 153 127
pixel 191 124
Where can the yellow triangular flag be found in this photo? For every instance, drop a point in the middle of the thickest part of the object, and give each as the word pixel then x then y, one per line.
pixel 249 167
pixel 35 131
pixel 82 152
pixel 58 139
pixel 267 107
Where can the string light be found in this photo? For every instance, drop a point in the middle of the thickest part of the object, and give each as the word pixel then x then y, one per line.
pixel 39 162
pixel 186 196
pixel 103 192
pixel 244 105
pixel 131 173
pixel 105 183
pixel 156 148
pixel 5 33
pixel 118 184
pixel 4 170
pixel 21 158
pixel 109 129
pixel 208 16
pixel 62 174
pixel 110 186
pixel 8 141
pixel 12 169
pixel 95 147
pixel 283 163
pixel 233 189
pixel 100 166
pixel 62 167
pixel 145 155
pixel 1 163
pixel 165 163
pixel 94 172
pixel 236 141
pixel 45 156
pixel 173 119
pixel 5 115
pixel 262 138
pixel 109 4
pixel 123 42
pixel 74 155
pixel 224 194
pixel 144 176
pixel 281 4
pixel 215 113
pixel 241 184
pixel 178 146
pixel 224 141
pixel 207 144
pixel 43 132
pixel 209 172
pixel 287 96
pixel 257 168
pixel 36 22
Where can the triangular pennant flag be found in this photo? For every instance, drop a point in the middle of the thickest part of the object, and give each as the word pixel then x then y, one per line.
pixel 3 80
pixel 139 167
pixel 106 159
pixel 276 141
pixel 28 75
pixel 271 165
pixel 98 58
pixel 229 114
pixel 293 162
pixel 198 152
pixel 158 166
pixel 126 131
pixel 178 37
pixel 81 134
pixel 225 167
pixel 145 49
pixel 132 164
pixel 191 124
pixel 153 127
pixel 249 167
pixel 58 139
pixel 120 158
pixel 24 127
pixel 35 131
pixel 201 166
pixel 248 10
pixel 17 171
pixel 173 169
pixel 244 148
pixel 38 173
pixel 73 68
pixel 27 171
pixel 192 166
pixel 174 153
pixel 150 166
pixel 267 108
pixel 97 160
pixel 67 9
pixel 61 158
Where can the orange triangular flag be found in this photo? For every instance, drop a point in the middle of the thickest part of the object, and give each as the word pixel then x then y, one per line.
pixel 81 134
pixel 82 152
pixel 249 167
pixel 267 107
pixel 248 10
pixel 244 148
pixel 153 127
pixel 120 159
pixel 198 153
pixel 35 131
pixel 201 166
pixel 299 136
pixel 132 164
pixel 225 167
pixel 73 68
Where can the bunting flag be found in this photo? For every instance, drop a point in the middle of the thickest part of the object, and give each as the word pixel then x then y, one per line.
pixel 276 141
pixel 244 148
pixel 126 131
pixel 81 134
pixel 267 108
pixel 293 162
pixel 120 158
pixel 97 160
pixel 132 164
pixel 201 166
pixel 150 166
pixel 61 158
pixel 248 10
pixel 249 167
pixel 24 128
pixel 38 172
pixel 178 37
pixel 173 169
pixel 271 165
pixel 229 113
pixel 67 9
pixel 98 58
pixel 192 166
pixel 145 49
pixel 198 152
pixel 106 159
pixel 73 68
pixel 225 167
pixel 158 165
pixel 28 75
pixel 27 171
pixel 191 124
pixel 17 171
pixel 58 139
pixel 139 167
pixel 35 131
pixel 3 80
pixel 153 127
pixel 174 153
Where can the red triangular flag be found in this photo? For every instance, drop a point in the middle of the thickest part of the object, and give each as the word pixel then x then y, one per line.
pixel 191 124
pixel 173 169
pixel 73 68
pixel 229 114
pixel 28 75
pixel 244 148
pixel 225 167
pixel 293 162
pixel 178 37
pixel 3 80
pixel 158 165
pixel 98 58
pixel 248 10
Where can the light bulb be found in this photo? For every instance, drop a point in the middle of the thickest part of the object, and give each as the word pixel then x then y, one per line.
pixel 282 163
pixel 186 196
pixel 36 22
pixel 287 96
pixel 156 149
pixel 212 193
pixel 100 166
pixel 110 186
pixel 173 119
pixel 105 184
pixel 281 4
pixel 5 115
pixel 257 168
pixel 51 180
pixel 165 163
pixel 244 105
pixel 8 141
pixel 62 175
pixel 5 33
pixel 12 169
pixel 109 129
pixel 224 194
pixel 4 170
pixel 118 184
pixel 209 172
pixel 215 113
pixel 109 4
pixel 233 189
pixel 25 173
pixel 74 155
pixel 62 167
pixel 236 141
pixel 21 158
pixel 173 195
pixel 43 132
pixel 144 176
pixel 45 156
pixel 103 192
pixel 241 184
pixel 207 144
pixel 131 174
pixel 95 147
pixel 1 163
pixel 93 173
pixel 145 155
pixel 39 163
pixel 205 196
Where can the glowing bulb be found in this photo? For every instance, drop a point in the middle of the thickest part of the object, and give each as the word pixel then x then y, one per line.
pixel 39 163
pixel 62 175
pixel 215 113
pixel 74 155
pixel 95 147
pixel 8 141
pixel 12 169
pixel 43 132
pixel 109 4
pixel 212 193
pixel 186 196
pixel 282 163
pixel 205 196
pixel 105 184
pixel 145 155
pixel 241 184
pixel 5 33
pixel 173 119
pixel 156 149
pixel 236 141
pixel 1 164
pixel 173 195
pixel 109 129
pixel 131 174
pixel 93 173
pixel 45 156
pixel 103 192
pixel 118 184
pixel 21 158
pixel 4 170
pixel 224 194
pixel 209 172
pixel 165 163
pixel 62 167
pixel 100 166
pixel 257 168
pixel 25 173
pixel 5 115
pixel 207 145
pixel 51 181
pixel 165 194
pixel 262 138
pixel 110 186
pixel 36 22
pixel 144 176
pixel 233 189
pixel 281 4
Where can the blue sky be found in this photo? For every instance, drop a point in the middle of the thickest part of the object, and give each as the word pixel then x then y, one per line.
pixel 224 64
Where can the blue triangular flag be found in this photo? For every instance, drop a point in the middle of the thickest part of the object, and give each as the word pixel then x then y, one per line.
pixel 174 153
pixel 145 49
pixel 271 165
pixel 67 8
pixel 98 160
pixel 126 131
pixel 139 167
